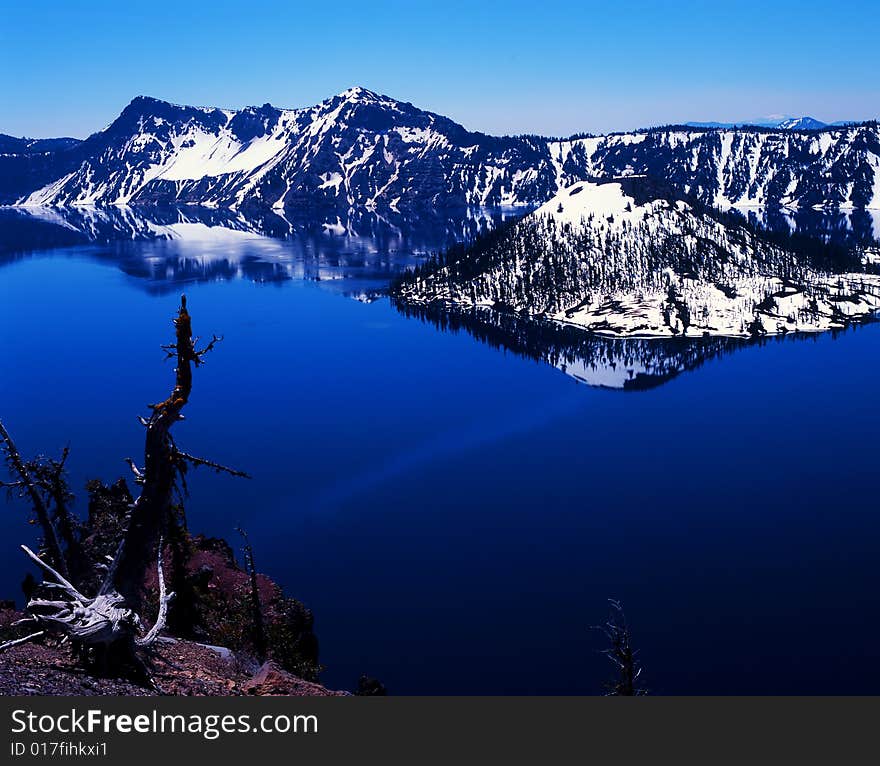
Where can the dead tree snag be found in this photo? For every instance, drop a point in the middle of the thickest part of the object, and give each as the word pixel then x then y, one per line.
pixel 107 626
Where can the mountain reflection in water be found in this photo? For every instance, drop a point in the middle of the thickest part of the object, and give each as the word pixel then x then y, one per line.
pixel 358 253
pixel 167 246
pixel 198 243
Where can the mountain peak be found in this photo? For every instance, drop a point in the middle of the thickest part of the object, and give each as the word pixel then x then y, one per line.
pixel 149 105
pixel 359 93
pixel 139 107
pixel 801 123
pixel 144 100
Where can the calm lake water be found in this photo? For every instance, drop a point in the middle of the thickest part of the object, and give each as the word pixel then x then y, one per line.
pixel 455 514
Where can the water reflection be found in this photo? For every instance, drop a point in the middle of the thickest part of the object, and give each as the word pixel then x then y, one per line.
pixel 356 254
pixel 626 364
pixel 847 228
pixel 167 246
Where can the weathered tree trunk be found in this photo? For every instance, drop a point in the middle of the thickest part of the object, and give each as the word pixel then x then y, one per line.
pixel 151 512
pixel 109 623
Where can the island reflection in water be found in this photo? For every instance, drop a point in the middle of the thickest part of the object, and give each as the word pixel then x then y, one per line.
pixel 626 364
pixel 357 252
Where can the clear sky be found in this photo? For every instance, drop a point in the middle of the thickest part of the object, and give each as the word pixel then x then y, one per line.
pixel 540 66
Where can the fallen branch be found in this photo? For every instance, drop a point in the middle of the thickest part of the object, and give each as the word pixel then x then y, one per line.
pixel 15 642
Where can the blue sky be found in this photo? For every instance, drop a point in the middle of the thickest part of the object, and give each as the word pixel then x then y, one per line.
pixel 545 67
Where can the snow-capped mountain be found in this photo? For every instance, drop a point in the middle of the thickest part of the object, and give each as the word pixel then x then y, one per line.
pixel 361 149
pixel 801 123
pixel 626 257
pixel 355 149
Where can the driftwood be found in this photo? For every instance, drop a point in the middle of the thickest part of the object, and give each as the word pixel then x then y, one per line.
pixel 89 622
pixel 109 622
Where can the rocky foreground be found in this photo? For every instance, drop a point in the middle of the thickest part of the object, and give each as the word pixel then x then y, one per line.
pixel 177 667
pixel 208 648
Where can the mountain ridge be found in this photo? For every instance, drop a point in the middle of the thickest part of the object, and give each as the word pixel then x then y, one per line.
pixel 780 122
pixel 361 148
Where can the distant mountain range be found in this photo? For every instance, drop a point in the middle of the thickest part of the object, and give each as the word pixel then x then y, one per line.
pixel 778 122
pixel 628 257
pixel 9 145
pixel 362 149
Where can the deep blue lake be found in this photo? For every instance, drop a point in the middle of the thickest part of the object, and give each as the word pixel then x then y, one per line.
pixel 457 515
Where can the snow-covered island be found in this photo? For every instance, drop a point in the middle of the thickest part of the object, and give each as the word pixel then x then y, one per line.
pixel 628 258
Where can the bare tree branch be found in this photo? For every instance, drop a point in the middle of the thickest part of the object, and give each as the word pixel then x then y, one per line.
pixel 138 473
pixel 102 620
pixel 197 461
pixel 207 349
pixel 164 600
pixel 15 642
pixel 152 511
pixel 60 579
